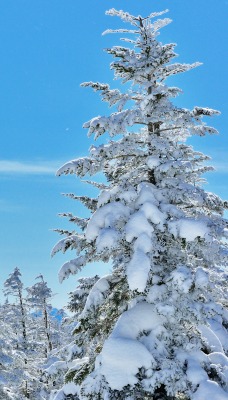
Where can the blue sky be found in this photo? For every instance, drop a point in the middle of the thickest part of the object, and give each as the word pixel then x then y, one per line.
pixel 47 48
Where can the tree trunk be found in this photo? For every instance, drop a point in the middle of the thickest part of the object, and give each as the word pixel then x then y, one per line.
pixel 49 344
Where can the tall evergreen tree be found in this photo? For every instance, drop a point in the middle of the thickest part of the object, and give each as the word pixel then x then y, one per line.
pixel 155 327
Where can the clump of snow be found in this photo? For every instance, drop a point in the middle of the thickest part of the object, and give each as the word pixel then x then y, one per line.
pixel 96 294
pixel 106 217
pixel 122 353
pixel 143 243
pixel 139 318
pixel 220 332
pixel 188 228
pixel 107 239
pixel 121 359
pixel 146 193
pixel 195 373
pixel 152 213
pixel 211 338
pixel 136 225
pixel 156 292
pixel 106 195
pixel 182 278
pixel 128 195
pixel 201 278
pixel 172 210
pixel 153 161
pixel 197 355
pixel 225 232
pixel 68 389
pixel 219 358
pixel 138 270
pixel 139 266
pixel 209 390
pixel 71 267
pixel 56 367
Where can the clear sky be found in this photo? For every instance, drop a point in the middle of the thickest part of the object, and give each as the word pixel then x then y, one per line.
pixel 47 48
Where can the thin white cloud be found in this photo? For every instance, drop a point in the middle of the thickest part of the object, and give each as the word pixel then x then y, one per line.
pixel 220 166
pixel 29 168
pixel 50 167
pixel 6 206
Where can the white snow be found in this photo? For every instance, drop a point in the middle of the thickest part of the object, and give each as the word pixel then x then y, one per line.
pixel 220 332
pixel 121 359
pixel 70 388
pixel 156 292
pixel 136 225
pixel 225 233
pixel 143 243
pixel 122 353
pixel 67 389
pixel 71 267
pixel 107 239
pixel 106 195
pixel 139 318
pixel 188 228
pixel 219 358
pixel 209 390
pixel 182 277
pixel 195 373
pixel 172 210
pixel 106 217
pixel 153 161
pixel 56 367
pixel 211 338
pixel 201 278
pixel 146 193
pixel 128 195
pixel 59 246
pixel 137 271
pixel 152 213
pixel 96 294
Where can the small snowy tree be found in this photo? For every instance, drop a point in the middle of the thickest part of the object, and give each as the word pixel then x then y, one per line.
pixel 38 297
pixel 14 287
pixel 155 327
pixel 7 337
pixel 24 356
pixel 19 352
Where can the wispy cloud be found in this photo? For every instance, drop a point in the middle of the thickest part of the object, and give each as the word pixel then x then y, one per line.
pixel 220 166
pixel 8 207
pixel 29 168
pixel 218 159
pixel 10 167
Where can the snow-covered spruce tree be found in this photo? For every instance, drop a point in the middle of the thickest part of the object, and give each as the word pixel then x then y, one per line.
pixel 7 337
pixel 38 297
pixel 155 327
pixel 63 358
pixel 20 349
pixel 14 287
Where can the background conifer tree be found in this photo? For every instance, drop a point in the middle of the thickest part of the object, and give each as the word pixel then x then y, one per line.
pixel 38 297
pixel 155 327
pixel 24 357
pixel 14 287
